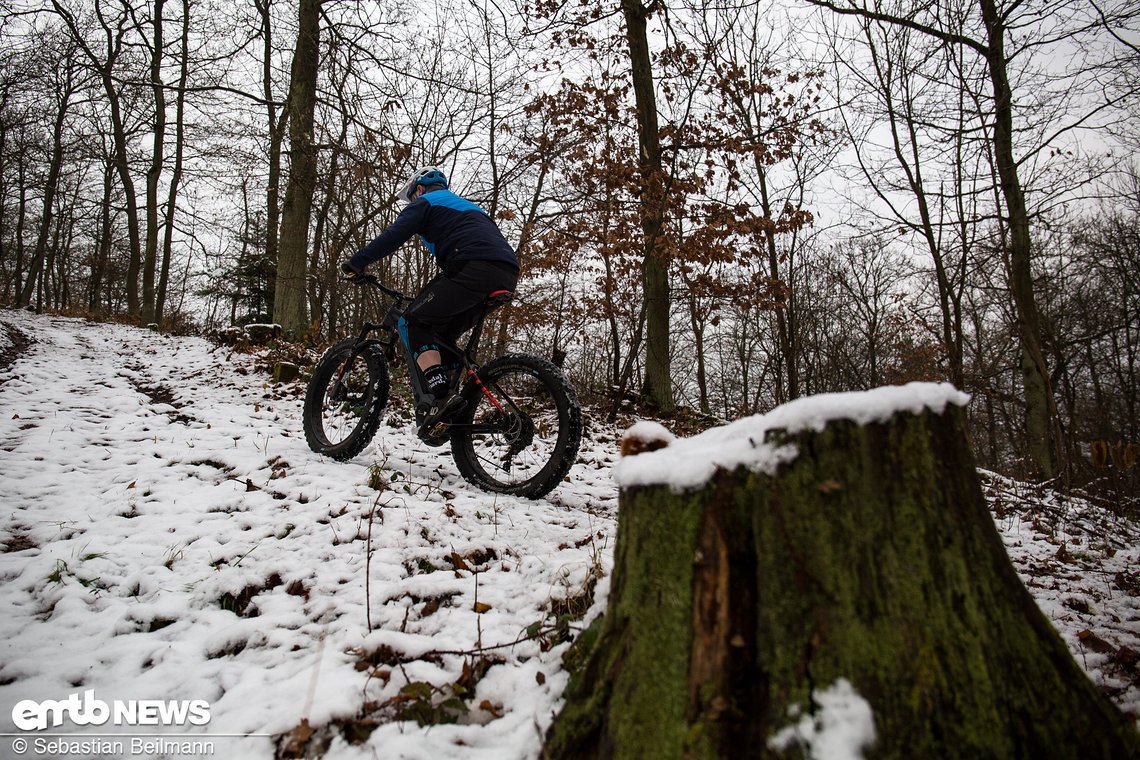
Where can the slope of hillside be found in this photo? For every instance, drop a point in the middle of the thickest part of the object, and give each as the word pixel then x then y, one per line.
pixel 169 536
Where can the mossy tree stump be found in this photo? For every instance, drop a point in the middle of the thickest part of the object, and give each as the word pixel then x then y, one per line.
pixel 870 556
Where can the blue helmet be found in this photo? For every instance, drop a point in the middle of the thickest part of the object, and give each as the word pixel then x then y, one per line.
pixel 428 175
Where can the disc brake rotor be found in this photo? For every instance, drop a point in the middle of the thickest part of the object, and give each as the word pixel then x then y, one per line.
pixel 520 433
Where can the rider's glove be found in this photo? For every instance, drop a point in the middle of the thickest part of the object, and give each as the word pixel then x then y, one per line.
pixel 349 273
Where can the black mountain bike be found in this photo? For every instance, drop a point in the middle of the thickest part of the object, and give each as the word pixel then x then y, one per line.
pixel 517 430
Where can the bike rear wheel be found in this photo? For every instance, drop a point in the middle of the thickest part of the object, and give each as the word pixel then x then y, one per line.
pixel 520 432
pixel 346 394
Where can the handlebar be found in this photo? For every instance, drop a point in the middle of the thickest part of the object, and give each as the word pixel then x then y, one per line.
pixel 374 281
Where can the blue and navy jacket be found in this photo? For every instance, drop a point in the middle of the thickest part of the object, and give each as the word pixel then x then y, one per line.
pixel 453 229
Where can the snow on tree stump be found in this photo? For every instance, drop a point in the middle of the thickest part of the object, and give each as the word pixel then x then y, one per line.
pixel 822 581
pixel 261 334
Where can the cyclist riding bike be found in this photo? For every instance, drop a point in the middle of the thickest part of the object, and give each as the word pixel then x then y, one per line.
pixel 474 259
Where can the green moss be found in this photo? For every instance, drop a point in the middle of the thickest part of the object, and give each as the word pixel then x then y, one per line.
pixel 654 557
pixel 577 656
pixel 638 692
pixel 900 585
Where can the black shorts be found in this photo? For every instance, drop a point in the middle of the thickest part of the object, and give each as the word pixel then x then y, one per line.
pixel 449 305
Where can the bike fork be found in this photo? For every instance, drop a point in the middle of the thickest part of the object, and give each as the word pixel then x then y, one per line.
pixel 334 388
pixel 356 351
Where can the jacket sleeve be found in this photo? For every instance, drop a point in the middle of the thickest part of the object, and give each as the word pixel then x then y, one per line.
pixel 408 223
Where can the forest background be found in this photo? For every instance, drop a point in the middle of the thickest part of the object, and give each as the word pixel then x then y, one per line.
pixel 718 206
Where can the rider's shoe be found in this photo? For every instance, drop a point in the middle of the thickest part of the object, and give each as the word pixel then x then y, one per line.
pixel 432 429
pixel 443 409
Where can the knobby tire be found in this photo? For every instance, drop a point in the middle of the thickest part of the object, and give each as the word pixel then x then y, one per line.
pixel 340 422
pixel 523 437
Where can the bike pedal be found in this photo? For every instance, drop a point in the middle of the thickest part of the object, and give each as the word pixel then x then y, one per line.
pixel 434 435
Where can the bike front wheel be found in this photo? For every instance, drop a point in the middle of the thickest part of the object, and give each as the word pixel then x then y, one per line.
pixel 520 430
pixel 346 394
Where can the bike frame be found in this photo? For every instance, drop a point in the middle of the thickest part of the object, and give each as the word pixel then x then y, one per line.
pixel 389 327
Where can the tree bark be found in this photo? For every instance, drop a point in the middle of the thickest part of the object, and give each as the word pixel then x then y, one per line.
pixel 871 558
pixel 154 171
pixel 655 264
pixel 176 173
pixel 1040 412
pixel 275 124
pixel 6 282
pixel 697 324
pixel 290 309
pixel 103 241
pixel 785 337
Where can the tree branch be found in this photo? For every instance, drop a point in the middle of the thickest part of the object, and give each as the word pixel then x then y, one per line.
pixel 940 34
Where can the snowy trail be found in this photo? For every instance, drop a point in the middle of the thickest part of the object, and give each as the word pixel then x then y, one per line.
pixel 170 536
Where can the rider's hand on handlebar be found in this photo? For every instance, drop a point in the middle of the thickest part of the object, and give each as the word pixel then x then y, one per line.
pixel 349 273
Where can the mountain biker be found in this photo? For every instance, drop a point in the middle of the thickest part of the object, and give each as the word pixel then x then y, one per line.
pixel 474 259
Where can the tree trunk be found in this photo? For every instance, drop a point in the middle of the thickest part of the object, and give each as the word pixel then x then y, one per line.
pixel 698 326
pixel 289 302
pixel 154 172
pixel 21 218
pixel 655 264
pixel 789 368
pixel 51 186
pixel 122 162
pixel 868 560
pixel 7 292
pixel 102 254
pixel 275 124
pixel 176 173
pixel 1040 412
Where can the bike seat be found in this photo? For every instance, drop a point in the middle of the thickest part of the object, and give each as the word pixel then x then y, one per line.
pixel 498 298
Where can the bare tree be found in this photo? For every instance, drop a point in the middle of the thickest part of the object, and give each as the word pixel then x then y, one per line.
pixel 179 158
pixel 105 64
pixel 275 124
pixel 928 119
pixel 999 26
pixel 655 260
pixel 154 170
pixel 765 73
pixel 289 306
pixel 65 81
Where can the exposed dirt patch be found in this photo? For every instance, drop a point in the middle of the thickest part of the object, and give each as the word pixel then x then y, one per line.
pixel 160 394
pixel 18 542
pixel 239 603
pixel 16 344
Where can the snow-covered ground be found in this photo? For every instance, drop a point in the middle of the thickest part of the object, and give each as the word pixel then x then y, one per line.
pixel 167 535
